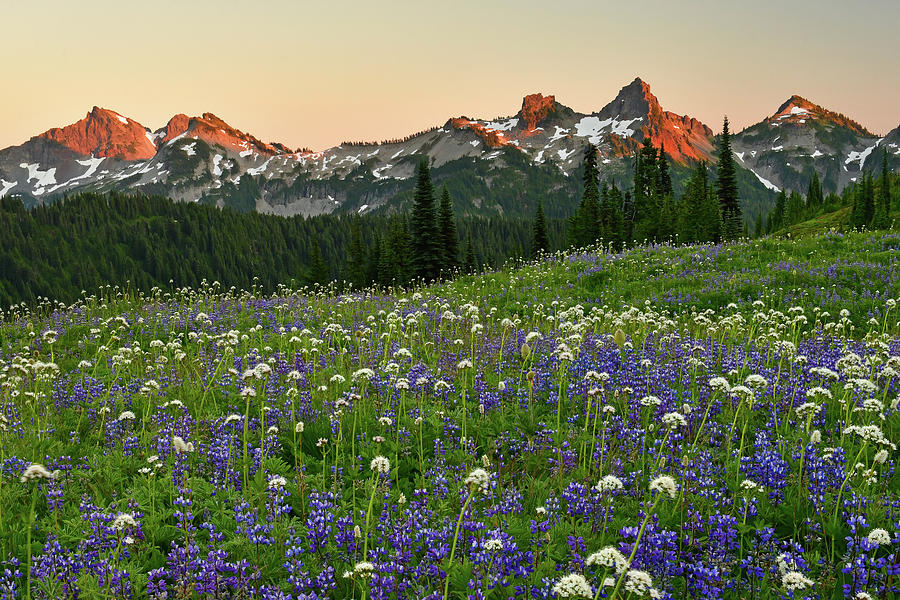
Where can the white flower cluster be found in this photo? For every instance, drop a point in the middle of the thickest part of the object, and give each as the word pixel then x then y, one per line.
pixel 674 420
pixel 479 478
pixel 795 580
pixel 665 485
pixel 381 465
pixel 870 433
pixel 608 483
pixel 35 471
pixel 879 537
pixel 650 401
pixel 609 558
pixel 180 446
pixel 573 585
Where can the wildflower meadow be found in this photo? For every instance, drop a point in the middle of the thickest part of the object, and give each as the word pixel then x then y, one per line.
pixel 712 421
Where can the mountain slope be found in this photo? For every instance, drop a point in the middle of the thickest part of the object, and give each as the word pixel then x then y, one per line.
pixel 802 138
pixel 498 166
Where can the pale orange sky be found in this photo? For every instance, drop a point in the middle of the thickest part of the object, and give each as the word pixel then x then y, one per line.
pixel 315 74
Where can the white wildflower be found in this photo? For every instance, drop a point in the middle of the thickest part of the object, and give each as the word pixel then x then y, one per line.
pixel 380 464
pixel 879 537
pixel 664 484
pixel 35 471
pixel 573 585
pixel 608 557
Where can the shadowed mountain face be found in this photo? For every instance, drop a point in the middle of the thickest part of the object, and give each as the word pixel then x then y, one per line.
pixel 501 165
pixel 802 138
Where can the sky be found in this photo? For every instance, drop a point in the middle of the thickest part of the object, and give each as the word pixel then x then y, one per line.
pixel 314 74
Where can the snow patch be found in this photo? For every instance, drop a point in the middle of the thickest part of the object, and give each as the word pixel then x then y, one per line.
pixel 740 156
pixel 861 156
pixel 766 182
pixel 378 173
pixel 592 127
pixel 260 169
pixel 5 186
pixel 122 119
pixel 41 178
pixel 245 153
pixel 777 148
pixel 189 149
pixel 502 126
pixel 217 170
pixel 362 208
pixel 398 153
pixel 92 164
pixel 816 154
pixel 563 155
pixel 473 142
pixel 540 157
pixel 560 133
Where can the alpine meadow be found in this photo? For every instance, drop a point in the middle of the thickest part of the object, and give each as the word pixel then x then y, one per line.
pixel 593 350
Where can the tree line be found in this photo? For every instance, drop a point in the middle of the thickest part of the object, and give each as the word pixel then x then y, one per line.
pixel 707 211
pixel 868 203
pixel 89 240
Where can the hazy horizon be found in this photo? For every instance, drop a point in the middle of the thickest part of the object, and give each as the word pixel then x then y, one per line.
pixel 314 76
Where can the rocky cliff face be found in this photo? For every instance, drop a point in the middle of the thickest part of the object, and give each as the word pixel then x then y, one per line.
pixel 105 133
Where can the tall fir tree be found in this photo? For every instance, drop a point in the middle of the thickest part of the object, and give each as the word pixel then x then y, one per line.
pixel 471 264
pixel 882 218
pixel 726 188
pixel 356 260
pixel 318 268
pixel 448 234
pixel 540 242
pixel 647 203
pixel 776 217
pixel 424 242
pixel 814 196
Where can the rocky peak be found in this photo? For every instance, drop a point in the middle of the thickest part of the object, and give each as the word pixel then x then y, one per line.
pixel 214 130
pixel 797 110
pixel 635 99
pixel 105 133
pixel 685 139
pixel 535 108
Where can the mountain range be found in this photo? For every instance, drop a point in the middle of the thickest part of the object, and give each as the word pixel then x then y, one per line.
pixel 497 166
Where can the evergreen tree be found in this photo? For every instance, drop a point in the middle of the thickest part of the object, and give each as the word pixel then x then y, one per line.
pixel 727 189
pixel 611 226
pixel 869 197
pixel 356 262
pixel 883 209
pixel 448 234
pixel 540 242
pixel 665 180
pixel 795 209
pixel 646 193
pixel 398 245
pixel 470 265
pixel 776 218
pixel 814 196
pixel 318 269
pixel 424 242
pixel 585 224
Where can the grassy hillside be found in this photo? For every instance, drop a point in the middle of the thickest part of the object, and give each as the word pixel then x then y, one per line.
pixel 673 422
